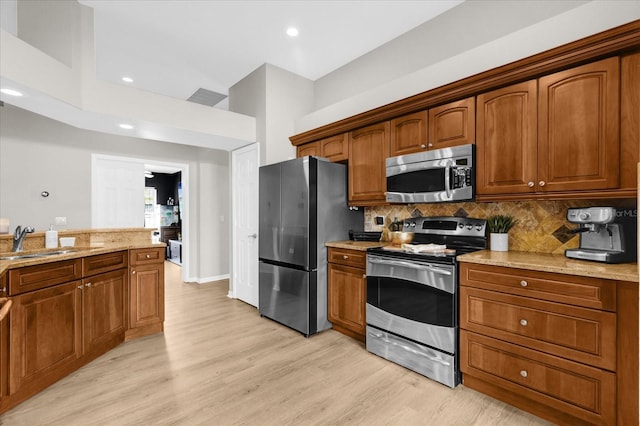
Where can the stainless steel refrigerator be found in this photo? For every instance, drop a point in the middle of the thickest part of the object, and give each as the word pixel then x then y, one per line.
pixel 303 204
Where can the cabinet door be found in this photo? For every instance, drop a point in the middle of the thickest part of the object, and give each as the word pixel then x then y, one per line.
pixel 335 148
pixel 408 134
pixel 347 299
pixel 452 124
pixel 104 302
pixel 506 147
pixel 579 128
pixel 312 148
pixel 368 150
pixel 146 295
pixel 46 333
pixel 5 304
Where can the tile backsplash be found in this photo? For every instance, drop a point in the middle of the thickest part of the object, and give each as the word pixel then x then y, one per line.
pixel 542 225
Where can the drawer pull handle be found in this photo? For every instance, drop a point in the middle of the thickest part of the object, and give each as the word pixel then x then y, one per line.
pixel 523 322
pixel 524 373
pixel 523 283
pixel 345 257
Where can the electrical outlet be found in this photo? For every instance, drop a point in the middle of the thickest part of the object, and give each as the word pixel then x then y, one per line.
pixel 379 220
pixel 61 221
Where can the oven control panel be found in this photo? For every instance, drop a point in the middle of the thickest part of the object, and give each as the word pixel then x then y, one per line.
pixel 462 226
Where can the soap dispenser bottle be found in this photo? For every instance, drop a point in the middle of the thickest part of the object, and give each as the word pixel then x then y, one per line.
pixel 51 238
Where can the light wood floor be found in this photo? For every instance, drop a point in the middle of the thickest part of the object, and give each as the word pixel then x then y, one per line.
pixel 219 363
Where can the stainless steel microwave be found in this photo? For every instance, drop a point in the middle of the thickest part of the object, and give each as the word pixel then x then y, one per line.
pixel 435 176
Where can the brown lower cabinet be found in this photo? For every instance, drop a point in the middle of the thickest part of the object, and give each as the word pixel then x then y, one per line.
pixel 347 292
pixel 146 292
pixel 551 344
pixel 65 314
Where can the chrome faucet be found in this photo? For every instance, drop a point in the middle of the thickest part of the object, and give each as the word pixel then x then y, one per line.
pixel 19 235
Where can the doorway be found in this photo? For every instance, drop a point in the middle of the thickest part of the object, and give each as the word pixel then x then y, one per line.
pixel 130 191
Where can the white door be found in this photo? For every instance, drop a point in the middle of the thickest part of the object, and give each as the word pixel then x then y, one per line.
pixel 244 193
pixel 117 195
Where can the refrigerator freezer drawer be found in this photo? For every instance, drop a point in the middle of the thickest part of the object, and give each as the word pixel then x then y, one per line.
pixel 284 296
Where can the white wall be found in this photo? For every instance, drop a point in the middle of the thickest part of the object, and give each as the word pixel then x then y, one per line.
pixel 379 78
pixel 275 97
pixel 37 153
pixel 49 26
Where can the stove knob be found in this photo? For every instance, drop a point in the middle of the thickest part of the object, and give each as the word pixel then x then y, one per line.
pixel 469 226
pixel 413 224
pixel 478 227
pixel 461 226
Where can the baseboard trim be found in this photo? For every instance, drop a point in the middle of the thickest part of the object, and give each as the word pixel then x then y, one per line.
pixel 208 280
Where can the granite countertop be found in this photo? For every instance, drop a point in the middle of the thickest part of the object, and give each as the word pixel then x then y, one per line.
pixel 74 254
pixel 356 245
pixel 553 263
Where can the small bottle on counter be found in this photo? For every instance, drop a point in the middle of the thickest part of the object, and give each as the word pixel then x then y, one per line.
pixel 51 238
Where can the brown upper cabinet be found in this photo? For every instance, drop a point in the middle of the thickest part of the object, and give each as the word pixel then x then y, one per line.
pixel 552 136
pixel 440 127
pixel 368 150
pixel 409 134
pixel 452 124
pixel 335 148
pixel 312 148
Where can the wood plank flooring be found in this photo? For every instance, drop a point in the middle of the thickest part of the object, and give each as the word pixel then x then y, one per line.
pixel 219 363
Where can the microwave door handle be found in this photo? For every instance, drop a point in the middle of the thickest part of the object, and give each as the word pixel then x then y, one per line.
pixel 447 179
pixel 411 265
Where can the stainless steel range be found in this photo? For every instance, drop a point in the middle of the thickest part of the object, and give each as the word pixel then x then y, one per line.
pixel 412 295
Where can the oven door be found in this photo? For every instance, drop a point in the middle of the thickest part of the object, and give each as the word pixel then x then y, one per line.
pixel 413 299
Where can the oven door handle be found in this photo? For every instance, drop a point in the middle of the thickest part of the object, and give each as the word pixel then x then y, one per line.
pixel 410 265
pixel 408 349
pixel 447 179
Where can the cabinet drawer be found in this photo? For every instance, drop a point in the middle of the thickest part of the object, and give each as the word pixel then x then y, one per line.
pixel 146 256
pixel 35 277
pixel 589 292
pixel 97 264
pixel 355 258
pixel 585 392
pixel 583 335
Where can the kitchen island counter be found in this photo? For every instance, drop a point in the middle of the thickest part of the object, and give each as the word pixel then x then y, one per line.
pixel 546 262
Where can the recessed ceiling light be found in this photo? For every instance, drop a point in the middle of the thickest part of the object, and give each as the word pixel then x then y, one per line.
pixel 292 32
pixel 126 126
pixel 11 92
pixel 127 79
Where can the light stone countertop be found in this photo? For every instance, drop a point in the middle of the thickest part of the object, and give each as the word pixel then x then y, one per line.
pixel 356 245
pixel 553 263
pixel 74 254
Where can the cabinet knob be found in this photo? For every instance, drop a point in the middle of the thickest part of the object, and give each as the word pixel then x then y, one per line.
pixel 88 285
pixel 430 145
pixel 523 283
pixel 364 276
pixel 423 146
pixel 148 256
pixel 345 257
pixel 80 287
pixel 542 183
pixel 531 184
pixel 524 373
pixel 523 322
pixel 133 272
pixel 3 290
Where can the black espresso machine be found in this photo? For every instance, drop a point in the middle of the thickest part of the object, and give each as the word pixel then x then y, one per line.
pixel 607 234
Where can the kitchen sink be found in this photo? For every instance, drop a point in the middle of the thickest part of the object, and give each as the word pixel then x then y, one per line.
pixel 18 256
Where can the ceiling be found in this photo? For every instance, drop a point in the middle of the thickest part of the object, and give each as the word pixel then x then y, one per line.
pixel 175 47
